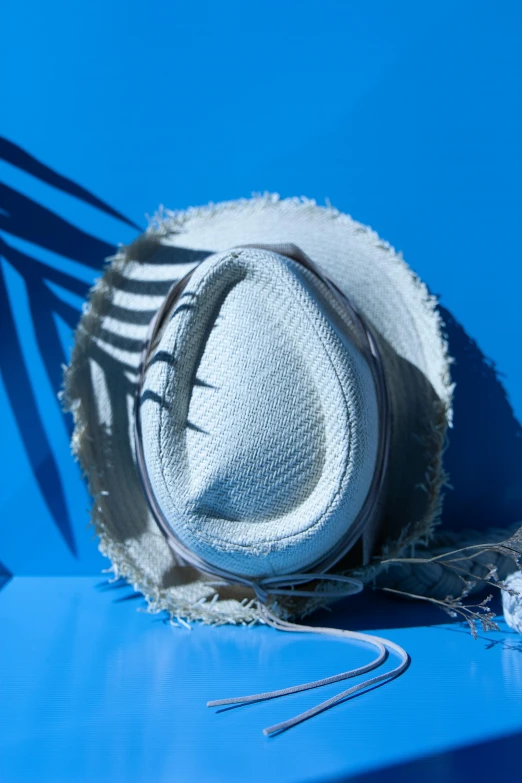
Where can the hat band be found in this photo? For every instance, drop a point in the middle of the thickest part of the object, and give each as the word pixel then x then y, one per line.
pixel 286 585
pixel 368 515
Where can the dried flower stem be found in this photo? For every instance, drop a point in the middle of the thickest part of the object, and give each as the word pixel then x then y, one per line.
pixel 454 607
pixel 472 569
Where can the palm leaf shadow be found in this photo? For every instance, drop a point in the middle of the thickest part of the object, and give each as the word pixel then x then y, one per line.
pixel 18 157
pixel 23 217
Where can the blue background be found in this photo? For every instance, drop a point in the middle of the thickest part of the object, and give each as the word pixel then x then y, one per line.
pixel 406 115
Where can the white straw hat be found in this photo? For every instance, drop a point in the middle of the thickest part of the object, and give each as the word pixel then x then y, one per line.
pixel 262 426
pixel 261 392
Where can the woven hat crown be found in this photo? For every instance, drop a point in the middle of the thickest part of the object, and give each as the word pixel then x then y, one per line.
pixel 259 415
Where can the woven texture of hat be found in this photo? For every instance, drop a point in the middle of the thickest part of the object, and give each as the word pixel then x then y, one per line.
pixel 259 415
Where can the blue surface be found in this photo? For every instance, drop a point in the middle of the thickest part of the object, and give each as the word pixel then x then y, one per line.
pixel 407 116
pixel 114 694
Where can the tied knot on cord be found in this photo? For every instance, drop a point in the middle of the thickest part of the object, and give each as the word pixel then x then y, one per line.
pixel 289 586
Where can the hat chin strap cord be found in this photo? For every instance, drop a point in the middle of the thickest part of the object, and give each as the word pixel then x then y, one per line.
pixel 288 585
pixel 382 645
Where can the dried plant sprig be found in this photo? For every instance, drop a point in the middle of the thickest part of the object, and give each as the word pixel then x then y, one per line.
pixel 472 613
pixel 470 580
pixel 510 547
pixel 471 569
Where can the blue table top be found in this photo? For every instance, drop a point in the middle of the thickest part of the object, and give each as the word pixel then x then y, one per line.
pixel 407 116
pixel 93 690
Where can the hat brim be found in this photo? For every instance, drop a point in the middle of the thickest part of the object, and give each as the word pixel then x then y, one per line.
pixel 100 382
